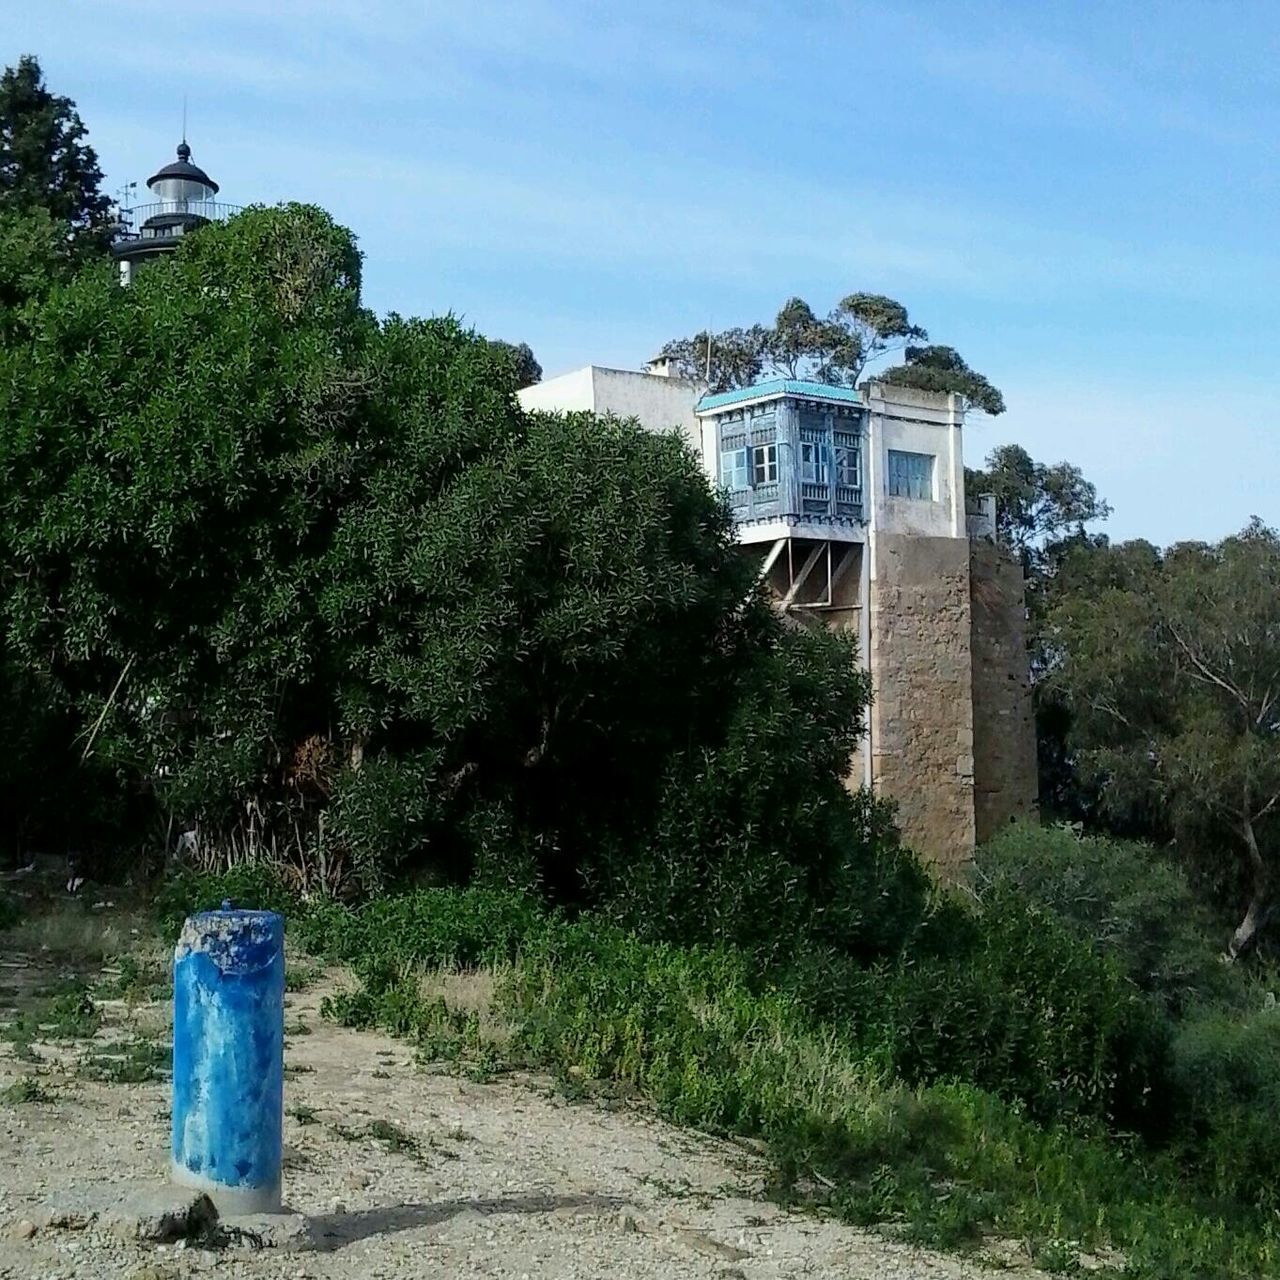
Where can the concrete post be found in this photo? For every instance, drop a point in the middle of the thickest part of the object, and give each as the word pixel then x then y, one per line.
pixel 228 1058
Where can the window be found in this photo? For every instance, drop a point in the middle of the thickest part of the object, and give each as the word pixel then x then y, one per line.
pixel 733 469
pixel 910 475
pixel 764 464
pixel 813 463
pixel 849 466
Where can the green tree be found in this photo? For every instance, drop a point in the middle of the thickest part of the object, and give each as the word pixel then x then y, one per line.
pixel 1170 666
pixel 1038 505
pixel 862 329
pixel 943 369
pixel 45 161
pixel 318 586
pixel 525 369
pixel 725 360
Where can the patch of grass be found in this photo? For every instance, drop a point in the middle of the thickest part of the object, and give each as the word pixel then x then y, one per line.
pixel 298 1069
pixel 128 1062
pixel 394 1138
pixel 72 934
pixel 301 977
pixel 137 980
pixel 10 912
pixel 297 1028
pixel 698 1033
pixel 28 1089
pixel 303 1114
pixel 71 1015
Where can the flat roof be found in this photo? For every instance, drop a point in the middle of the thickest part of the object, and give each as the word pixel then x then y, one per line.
pixel 775 389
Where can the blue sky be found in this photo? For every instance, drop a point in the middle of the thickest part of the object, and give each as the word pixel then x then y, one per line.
pixel 1081 197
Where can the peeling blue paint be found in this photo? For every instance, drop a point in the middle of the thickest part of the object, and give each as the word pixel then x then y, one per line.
pixel 228 1057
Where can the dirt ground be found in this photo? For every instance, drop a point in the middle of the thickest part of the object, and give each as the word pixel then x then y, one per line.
pixel 406 1173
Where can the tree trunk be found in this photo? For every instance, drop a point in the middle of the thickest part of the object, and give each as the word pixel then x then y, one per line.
pixel 1260 900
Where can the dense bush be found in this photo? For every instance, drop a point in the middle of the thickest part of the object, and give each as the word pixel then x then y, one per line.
pixel 1227 1076
pixel 1125 898
pixel 330 597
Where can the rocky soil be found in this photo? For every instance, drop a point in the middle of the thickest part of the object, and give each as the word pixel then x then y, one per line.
pixel 404 1173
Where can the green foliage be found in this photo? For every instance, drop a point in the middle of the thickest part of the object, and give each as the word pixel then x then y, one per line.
pixel 428 928
pixel 757 841
pixel 127 1062
pixel 525 369
pixel 71 1014
pixel 45 162
pixel 693 1029
pixel 10 912
pixel 1038 506
pixel 1029 1012
pixel 185 892
pixel 1170 666
pixel 1126 899
pixel 935 368
pixel 27 1089
pixel 1228 1083
pixel 320 590
pixel 860 330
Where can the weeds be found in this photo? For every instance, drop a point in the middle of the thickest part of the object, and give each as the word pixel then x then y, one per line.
pixel 28 1089
pixel 128 1062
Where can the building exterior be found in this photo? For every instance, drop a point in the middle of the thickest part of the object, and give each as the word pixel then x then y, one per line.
pixel 853 503
pixel 183 200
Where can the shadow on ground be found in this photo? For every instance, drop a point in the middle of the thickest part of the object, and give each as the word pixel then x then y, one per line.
pixel 330 1231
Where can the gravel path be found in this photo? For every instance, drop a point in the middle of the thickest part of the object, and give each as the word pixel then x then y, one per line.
pixel 409 1174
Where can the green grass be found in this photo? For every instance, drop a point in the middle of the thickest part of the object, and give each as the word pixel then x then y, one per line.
pixel 72 1014
pixel 128 1062
pixel 28 1089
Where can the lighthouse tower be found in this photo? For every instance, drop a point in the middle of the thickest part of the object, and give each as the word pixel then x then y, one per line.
pixel 183 200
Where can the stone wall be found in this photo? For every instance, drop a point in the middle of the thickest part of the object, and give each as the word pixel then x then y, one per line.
pixel 922 739
pixel 1004 731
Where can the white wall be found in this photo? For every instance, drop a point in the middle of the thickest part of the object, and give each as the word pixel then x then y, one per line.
pixel 917 422
pixel 658 403
pixel 567 393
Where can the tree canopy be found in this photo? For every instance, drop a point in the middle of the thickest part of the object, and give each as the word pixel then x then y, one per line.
pixel 525 369
pixel 1038 505
pixel 314 585
pixel 862 329
pixel 1170 666
pixel 45 161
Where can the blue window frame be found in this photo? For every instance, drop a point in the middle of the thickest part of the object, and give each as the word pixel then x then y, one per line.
pixel 764 464
pixel 813 463
pixel 910 475
pixel 849 465
pixel 733 469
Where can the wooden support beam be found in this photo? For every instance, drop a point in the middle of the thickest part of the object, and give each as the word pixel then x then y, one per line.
pixel 846 563
pixel 802 577
pixel 771 559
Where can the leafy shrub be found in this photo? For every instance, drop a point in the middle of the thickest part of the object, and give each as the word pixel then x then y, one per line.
pixel 1227 1076
pixel 1125 898
pixel 428 928
pixel 1030 1012
pixel 250 885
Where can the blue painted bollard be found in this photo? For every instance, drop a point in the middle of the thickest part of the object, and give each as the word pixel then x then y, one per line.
pixel 228 1058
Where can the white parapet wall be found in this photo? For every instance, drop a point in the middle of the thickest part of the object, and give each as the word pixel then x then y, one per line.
pixel 657 402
